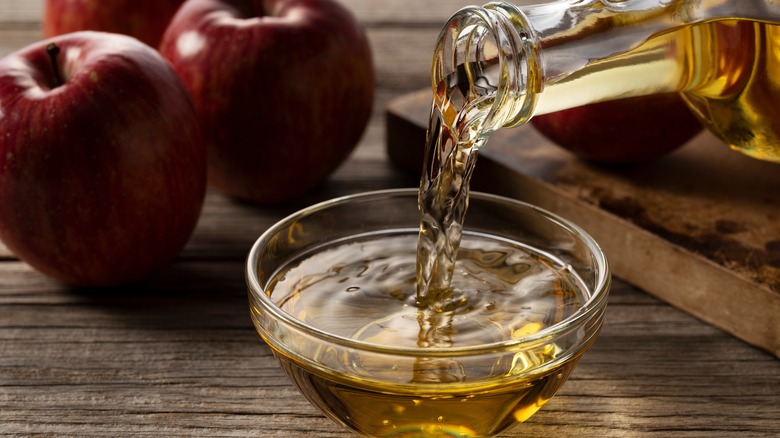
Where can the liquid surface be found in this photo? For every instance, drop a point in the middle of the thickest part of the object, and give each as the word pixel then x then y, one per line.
pixel 366 290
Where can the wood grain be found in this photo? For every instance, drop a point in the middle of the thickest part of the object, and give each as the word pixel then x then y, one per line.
pixel 176 354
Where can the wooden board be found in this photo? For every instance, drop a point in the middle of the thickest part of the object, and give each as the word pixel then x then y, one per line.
pixel 699 228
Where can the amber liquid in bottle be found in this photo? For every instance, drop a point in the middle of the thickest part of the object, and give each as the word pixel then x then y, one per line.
pixel 733 82
pixel 728 71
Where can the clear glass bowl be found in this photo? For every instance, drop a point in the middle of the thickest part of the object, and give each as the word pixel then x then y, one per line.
pixel 374 388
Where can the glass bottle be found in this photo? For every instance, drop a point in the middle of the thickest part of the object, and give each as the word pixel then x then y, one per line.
pixel 498 65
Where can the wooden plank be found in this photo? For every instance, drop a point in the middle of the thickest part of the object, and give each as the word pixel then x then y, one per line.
pixel 177 355
pixel 698 228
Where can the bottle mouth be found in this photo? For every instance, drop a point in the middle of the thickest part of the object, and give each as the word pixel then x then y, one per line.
pixel 486 68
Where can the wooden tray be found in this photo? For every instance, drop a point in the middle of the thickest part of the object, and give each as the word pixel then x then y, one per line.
pixel 699 228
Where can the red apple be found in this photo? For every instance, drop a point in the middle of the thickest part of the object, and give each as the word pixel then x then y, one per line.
pixel 283 90
pixel 143 19
pixel 102 166
pixel 624 131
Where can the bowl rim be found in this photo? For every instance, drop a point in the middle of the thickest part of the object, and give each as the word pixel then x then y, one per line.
pixel 588 310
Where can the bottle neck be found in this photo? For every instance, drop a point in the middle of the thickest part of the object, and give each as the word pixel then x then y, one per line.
pixel 485 71
pixel 504 56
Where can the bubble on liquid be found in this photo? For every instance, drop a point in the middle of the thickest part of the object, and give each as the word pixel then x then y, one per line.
pixel 353 289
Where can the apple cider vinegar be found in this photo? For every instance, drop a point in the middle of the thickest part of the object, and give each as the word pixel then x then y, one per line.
pixel 438 330
pixel 733 82
pixel 385 323
pixel 491 71
pixel 431 291
pixel 365 289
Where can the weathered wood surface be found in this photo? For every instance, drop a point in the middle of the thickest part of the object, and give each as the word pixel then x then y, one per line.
pixel 177 356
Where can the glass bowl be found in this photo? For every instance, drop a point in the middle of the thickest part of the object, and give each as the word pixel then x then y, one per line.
pixel 332 292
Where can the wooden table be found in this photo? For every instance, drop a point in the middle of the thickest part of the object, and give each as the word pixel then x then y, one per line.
pixel 176 355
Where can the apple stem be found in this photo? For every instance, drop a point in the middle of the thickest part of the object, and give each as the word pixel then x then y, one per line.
pixel 53 51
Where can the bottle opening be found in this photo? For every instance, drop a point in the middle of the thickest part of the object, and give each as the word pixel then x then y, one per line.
pixel 486 69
